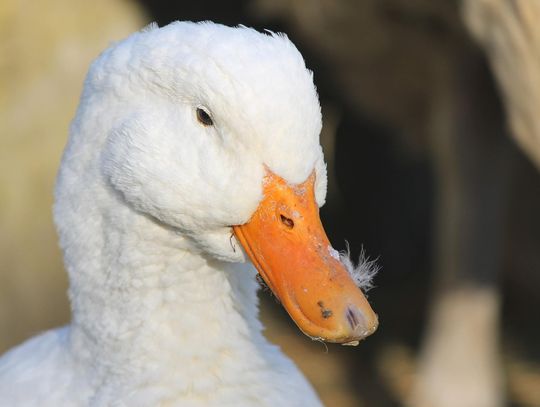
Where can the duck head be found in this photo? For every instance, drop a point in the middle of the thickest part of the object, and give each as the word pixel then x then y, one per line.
pixel 213 132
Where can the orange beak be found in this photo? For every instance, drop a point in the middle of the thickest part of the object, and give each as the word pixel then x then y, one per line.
pixel 287 244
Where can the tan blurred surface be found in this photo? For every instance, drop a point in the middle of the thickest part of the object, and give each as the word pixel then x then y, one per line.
pixel 45 50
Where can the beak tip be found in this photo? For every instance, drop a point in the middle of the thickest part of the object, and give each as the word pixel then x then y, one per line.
pixel 360 325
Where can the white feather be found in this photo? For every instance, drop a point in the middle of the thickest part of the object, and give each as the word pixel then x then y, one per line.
pixel 164 311
pixel 363 272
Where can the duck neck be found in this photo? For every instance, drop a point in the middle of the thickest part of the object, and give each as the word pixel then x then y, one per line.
pixel 143 307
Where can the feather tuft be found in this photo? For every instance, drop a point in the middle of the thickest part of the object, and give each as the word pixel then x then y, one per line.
pixel 363 272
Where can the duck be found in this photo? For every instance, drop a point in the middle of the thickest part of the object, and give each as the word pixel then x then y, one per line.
pixel 193 167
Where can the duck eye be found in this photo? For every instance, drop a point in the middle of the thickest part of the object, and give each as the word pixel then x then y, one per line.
pixel 204 118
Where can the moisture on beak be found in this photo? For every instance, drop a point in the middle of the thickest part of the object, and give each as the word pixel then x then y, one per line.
pixel 287 244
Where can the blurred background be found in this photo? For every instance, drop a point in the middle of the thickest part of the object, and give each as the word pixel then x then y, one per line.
pixel 433 148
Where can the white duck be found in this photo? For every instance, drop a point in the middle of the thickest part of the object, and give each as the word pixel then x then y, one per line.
pixel 182 132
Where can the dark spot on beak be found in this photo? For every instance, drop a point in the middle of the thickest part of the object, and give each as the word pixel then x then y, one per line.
pixel 325 312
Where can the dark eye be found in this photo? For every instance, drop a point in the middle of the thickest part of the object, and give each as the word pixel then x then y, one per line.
pixel 204 118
